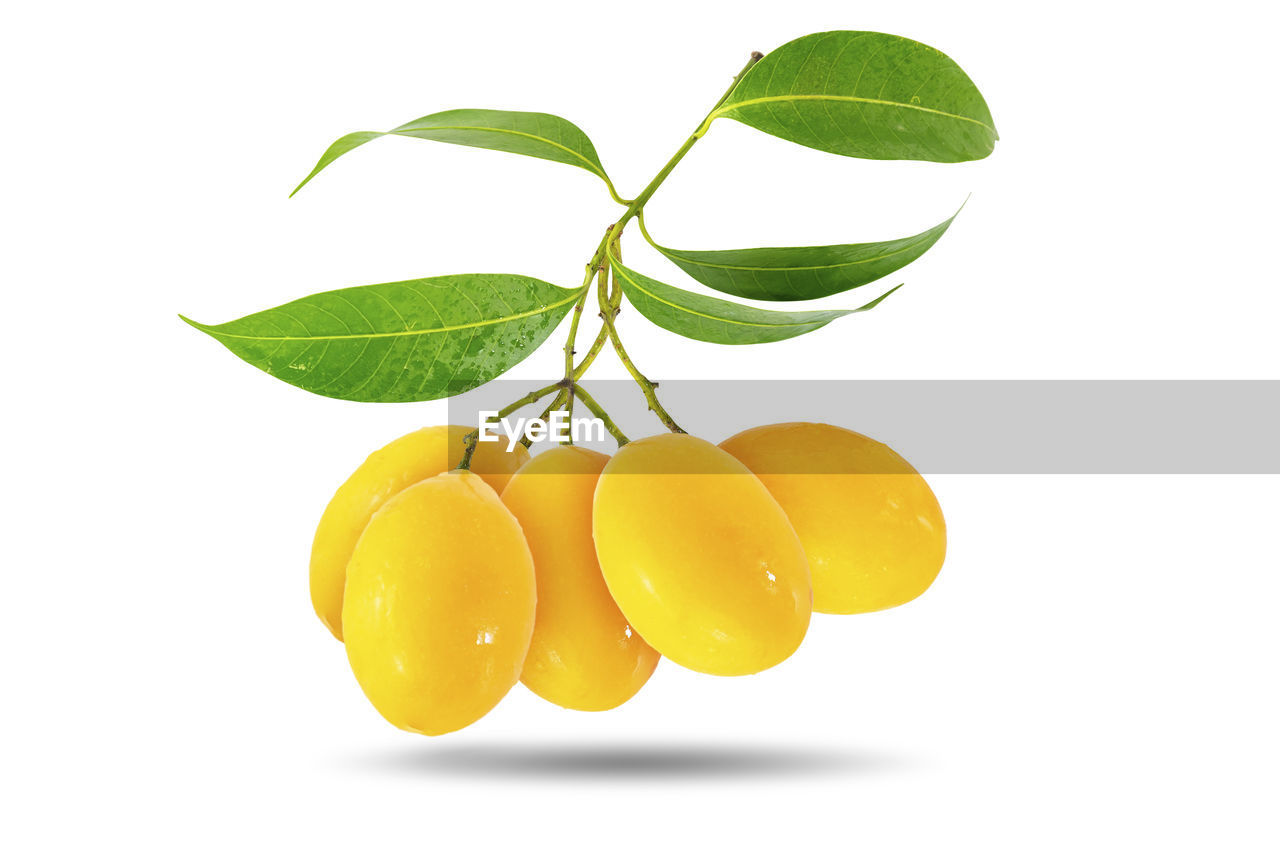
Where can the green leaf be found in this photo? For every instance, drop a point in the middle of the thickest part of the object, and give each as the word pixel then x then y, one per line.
pixel 705 318
pixel 870 95
pixel 421 339
pixel 533 134
pixel 800 272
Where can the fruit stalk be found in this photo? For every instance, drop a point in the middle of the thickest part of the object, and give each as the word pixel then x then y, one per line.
pixel 473 437
pixel 596 346
pixel 566 394
pixel 647 387
pixel 599 412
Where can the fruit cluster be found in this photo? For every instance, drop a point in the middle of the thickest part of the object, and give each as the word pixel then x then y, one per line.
pixel 574 571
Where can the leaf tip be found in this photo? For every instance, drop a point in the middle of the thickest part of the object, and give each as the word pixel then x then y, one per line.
pixel 193 324
pixel 952 218
pixel 305 181
pixel 881 298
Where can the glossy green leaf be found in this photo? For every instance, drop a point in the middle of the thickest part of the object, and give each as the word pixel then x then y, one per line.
pixel 870 95
pixel 422 339
pixel 533 134
pixel 800 272
pixel 705 318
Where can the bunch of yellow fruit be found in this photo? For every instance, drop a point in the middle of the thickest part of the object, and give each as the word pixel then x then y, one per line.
pixel 574 571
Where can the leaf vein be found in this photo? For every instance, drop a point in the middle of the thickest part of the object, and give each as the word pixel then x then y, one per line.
pixel 725 110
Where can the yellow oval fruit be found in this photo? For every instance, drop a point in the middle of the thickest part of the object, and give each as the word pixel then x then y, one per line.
pixel 869 522
pixel 700 557
pixel 439 604
pixel 405 461
pixel 584 655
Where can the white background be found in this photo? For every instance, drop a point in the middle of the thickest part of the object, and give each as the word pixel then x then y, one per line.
pixel 1096 665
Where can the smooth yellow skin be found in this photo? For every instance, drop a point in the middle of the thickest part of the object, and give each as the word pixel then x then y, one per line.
pixel 870 524
pixel 584 654
pixel 700 557
pixel 440 604
pixel 405 461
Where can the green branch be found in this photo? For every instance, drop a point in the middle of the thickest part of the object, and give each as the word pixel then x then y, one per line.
pixel 610 300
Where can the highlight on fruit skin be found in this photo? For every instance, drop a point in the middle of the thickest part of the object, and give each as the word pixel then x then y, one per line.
pixel 440 603
pixel 871 526
pixel 584 655
pixel 409 459
pixel 699 556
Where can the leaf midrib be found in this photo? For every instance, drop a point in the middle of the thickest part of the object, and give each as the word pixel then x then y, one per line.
pixel 674 256
pixel 728 108
pixel 590 165
pixel 622 271
pixel 213 330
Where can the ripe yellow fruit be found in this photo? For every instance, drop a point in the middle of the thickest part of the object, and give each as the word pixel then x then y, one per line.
pixel 405 461
pixel 439 605
pixel 700 557
pixel 584 654
pixel 869 522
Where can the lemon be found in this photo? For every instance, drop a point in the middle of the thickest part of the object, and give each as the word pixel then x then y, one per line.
pixel 405 461
pixel 439 604
pixel 699 556
pixel 584 654
pixel 870 524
